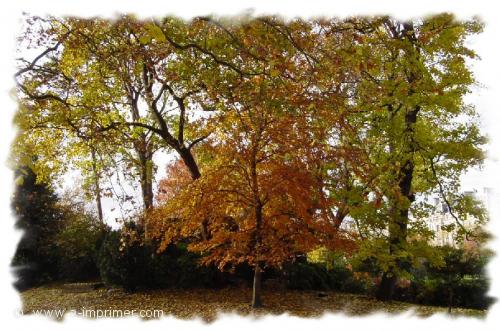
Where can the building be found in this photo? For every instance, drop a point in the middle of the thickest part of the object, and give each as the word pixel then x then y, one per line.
pixel 441 218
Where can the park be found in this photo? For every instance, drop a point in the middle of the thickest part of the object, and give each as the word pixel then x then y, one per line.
pixel 252 165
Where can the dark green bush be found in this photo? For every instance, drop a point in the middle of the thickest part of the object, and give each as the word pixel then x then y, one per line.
pixel 307 276
pixel 461 281
pixel 123 265
pixel 78 244
pixel 177 267
pixel 137 265
pixel 469 292
pixel 314 276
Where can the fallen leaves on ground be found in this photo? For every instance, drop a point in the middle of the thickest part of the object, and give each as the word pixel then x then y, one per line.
pixel 207 303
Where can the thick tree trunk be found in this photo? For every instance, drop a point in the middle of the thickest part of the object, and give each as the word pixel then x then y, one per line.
pixel 257 287
pixel 398 226
pixel 387 287
pixel 398 231
pixel 190 162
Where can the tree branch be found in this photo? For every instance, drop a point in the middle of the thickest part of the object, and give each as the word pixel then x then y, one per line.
pixel 196 141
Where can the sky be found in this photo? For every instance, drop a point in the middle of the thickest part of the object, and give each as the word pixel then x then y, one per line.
pixel 484 98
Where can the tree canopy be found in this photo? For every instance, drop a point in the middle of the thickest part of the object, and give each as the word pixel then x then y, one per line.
pixel 284 132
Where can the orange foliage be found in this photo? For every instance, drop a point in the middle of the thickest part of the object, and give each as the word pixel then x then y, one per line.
pixel 177 178
pixel 258 196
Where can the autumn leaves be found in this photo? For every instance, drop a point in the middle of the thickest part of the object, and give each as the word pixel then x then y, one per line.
pixel 282 130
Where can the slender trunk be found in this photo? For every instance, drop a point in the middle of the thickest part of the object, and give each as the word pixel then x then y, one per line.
pixel 257 287
pixel 146 170
pixel 97 185
pixel 256 296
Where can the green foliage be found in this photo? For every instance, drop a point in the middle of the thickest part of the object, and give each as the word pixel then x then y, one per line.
pixel 123 266
pixel 315 276
pixel 78 244
pixel 135 265
pixel 460 281
pixel 373 256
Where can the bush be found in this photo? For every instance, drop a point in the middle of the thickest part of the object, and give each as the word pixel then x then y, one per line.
pixel 460 278
pixel 78 244
pixel 469 292
pixel 314 276
pixel 126 266
pixel 307 276
pixel 177 267
pixel 137 265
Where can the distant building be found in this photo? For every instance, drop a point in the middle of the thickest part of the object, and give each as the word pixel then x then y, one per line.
pixel 441 218
pixel 438 220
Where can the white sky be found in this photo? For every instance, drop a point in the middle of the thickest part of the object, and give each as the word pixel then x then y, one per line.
pixel 486 100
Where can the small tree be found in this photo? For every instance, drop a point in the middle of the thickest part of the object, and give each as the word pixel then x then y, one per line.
pixel 257 195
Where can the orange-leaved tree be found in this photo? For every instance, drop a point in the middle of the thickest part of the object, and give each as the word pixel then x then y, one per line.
pixel 257 192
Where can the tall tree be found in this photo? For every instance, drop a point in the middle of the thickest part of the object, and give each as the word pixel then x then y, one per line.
pixel 415 77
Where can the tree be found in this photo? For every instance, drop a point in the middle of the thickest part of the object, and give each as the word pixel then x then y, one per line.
pixel 78 240
pixel 420 131
pixel 35 206
pixel 69 90
pixel 256 194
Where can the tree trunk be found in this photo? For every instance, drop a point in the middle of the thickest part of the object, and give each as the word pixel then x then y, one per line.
pixel 387 287
pixel 257 239
pixel 190 162
pixel 97 186
pixel 257 287
pixel 144 148
pixel 398 226
pixel 146 169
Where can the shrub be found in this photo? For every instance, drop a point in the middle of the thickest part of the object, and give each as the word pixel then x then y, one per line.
pixel 459 282
pixel 78 244
pixel 307 276
pixel 121 265
pixel 135 264
pixel 314 276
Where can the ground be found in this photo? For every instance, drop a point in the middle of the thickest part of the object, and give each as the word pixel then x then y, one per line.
pixel 206 303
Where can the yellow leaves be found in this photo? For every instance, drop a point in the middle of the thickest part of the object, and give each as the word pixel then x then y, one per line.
pixel 72 59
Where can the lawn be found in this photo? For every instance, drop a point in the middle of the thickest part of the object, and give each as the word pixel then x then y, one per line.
pixel 206 303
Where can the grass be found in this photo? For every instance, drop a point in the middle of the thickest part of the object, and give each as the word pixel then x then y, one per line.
pixel 207 303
